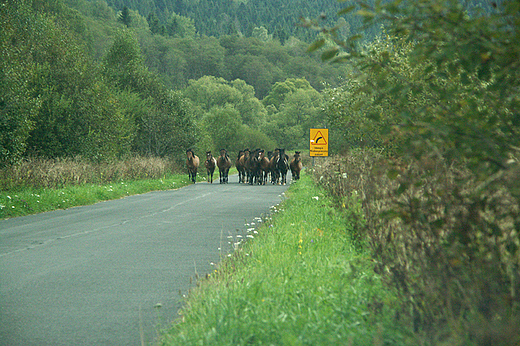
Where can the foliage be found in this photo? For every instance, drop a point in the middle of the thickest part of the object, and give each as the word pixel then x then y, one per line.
pixel 445 242
pixel 294 107
pixel 438 93
pixel 223 125
pixel 162 117
pixel 75 113
pixel 18 106
pixel 220 17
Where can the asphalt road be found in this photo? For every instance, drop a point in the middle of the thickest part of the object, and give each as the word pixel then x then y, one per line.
pixel 114 273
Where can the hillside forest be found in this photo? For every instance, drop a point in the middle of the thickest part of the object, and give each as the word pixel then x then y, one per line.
pixel 84 79
pixel 104 80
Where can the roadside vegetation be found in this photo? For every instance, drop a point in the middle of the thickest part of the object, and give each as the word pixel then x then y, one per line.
pixel 430 123
pixel 299 279
pixel 39 185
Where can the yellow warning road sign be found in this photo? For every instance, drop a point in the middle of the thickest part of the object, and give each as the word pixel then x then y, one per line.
pixel 319 142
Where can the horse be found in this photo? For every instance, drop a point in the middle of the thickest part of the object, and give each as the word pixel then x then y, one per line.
pixel 243 161
pixel 296 165
pixel 240 167
pixel 282 165
pixel 224 164
pixel 192 162
pixel 272 166
pixel 264 167
pixel 253 165
pixel 210 165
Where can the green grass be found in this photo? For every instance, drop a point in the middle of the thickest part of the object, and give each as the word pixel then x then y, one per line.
pixel 298 280
pixel 27 201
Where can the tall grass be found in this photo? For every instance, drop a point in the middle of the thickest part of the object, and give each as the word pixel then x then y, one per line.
pixel 300 279
pixel 38 185
pixel 55 173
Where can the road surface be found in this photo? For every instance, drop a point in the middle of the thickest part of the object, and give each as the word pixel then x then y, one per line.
pixel 114 273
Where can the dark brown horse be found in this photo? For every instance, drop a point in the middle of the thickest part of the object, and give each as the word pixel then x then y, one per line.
pixel 240 168
pixel 210 164
pixel 253 166
pixel 192 162
pixel 282 166
pixel 272 166
pixel 224 164
pixel 296 165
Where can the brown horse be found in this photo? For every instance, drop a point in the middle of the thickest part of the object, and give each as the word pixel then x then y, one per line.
pixel 243 161
pixel 264 167
pixel 272 166
pixel 281 166
pixel 296 165
pixel 210 164
pixel 192 162
pixel 240 167
pixel 224 164
pixel 253 166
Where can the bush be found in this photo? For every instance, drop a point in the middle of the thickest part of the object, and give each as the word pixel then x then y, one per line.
pixel 447 241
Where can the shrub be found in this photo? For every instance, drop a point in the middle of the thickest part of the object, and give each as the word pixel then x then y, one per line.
pixel 446 240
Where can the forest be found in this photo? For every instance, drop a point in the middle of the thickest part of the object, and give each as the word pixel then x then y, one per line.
pixel 84 79
pixel 104 80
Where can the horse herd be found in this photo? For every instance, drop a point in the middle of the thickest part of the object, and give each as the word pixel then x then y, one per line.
pixel 254 166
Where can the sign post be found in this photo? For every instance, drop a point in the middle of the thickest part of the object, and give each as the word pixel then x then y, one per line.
pixel 319 142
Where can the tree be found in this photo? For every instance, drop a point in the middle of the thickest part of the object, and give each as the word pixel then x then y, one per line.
pixel 163 118
pixel 180 26
pixel 125 17
pixel 155 24
pixel 223 125
pixel 281 90
pixel 208 92
pixel 18 104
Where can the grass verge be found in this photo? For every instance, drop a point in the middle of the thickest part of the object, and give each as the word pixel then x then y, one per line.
pixel 31 200
pixel 300 279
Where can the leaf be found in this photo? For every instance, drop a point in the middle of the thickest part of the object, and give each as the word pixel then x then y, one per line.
pixel 329 54
pixel 366 13
pixel 316 45
pixel 341 59
pixel 346 10
pixel 402 188
pixel 392 174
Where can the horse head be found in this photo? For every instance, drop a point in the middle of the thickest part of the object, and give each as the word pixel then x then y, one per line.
pixel 223 153
pixel 190 154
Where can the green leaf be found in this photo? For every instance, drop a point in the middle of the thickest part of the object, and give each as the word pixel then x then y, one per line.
pixel 346 10
pixel 329 54
pixel 392 174
pixel 402 188
pixel 341 59
pixel 366 13
pixel 316 45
